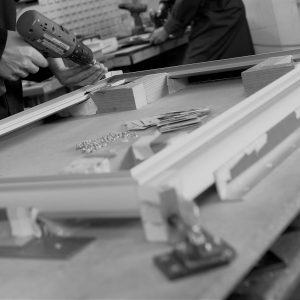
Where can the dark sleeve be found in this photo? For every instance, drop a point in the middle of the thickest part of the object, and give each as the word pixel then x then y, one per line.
pixel 3 38
pixel 42 74
pixel 171 2
pixel 182 15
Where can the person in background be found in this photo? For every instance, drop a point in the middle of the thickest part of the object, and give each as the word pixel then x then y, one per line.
pixel 18 60
pixel 219 28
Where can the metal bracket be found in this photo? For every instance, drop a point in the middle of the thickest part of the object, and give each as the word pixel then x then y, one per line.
pixel 194 248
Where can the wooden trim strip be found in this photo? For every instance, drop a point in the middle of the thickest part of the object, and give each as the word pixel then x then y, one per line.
pixel 41 111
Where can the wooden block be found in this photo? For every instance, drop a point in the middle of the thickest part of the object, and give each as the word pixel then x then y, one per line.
pixel 88 165
pixel 22 222
pixel 154 224
pixel 266 72
pixel 160 203
pixel 131 94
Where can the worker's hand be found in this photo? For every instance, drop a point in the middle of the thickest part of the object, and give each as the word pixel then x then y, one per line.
pixel 158 36
pixel 162 11
pixel 19 58
pixel 75 75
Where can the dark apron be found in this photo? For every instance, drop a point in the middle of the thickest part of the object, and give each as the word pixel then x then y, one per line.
pixel 219 31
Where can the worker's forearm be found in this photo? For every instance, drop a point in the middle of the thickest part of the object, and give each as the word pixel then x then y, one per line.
pixel 183 12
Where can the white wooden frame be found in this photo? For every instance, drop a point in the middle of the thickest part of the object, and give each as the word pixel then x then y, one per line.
pixel 205 150
pixel 194 160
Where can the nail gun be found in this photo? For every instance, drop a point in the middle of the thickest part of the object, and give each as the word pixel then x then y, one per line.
pixel 52 39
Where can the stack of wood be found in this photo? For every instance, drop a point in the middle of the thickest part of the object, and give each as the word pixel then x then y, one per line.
pixel 132 93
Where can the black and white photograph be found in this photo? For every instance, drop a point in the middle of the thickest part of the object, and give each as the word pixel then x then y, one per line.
pixel 149 150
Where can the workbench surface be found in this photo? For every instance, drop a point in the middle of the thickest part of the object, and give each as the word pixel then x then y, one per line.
pixel 132 55
pixel 118 265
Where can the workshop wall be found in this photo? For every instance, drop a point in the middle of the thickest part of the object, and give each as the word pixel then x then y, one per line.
pixel 88 16
pixel 274 24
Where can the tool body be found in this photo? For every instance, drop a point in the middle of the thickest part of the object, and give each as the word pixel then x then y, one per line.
pixel 52 39
pixel 135 10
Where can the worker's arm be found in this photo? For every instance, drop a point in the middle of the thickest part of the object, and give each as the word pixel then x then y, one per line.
pixel 182 14
pixel 169 3
pixel 76 75
pixel 164 8
pixel 18 59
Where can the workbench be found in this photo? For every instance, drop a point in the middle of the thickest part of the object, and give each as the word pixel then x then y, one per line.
pixel 128 57
pixel 118 264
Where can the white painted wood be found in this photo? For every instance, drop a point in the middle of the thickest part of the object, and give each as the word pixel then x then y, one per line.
pixel 235 188
pixel 22 222
pixel 41 111
pixel 83 195
pixel 199 154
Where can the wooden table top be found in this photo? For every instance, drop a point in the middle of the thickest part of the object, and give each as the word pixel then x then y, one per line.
pixel 118 265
